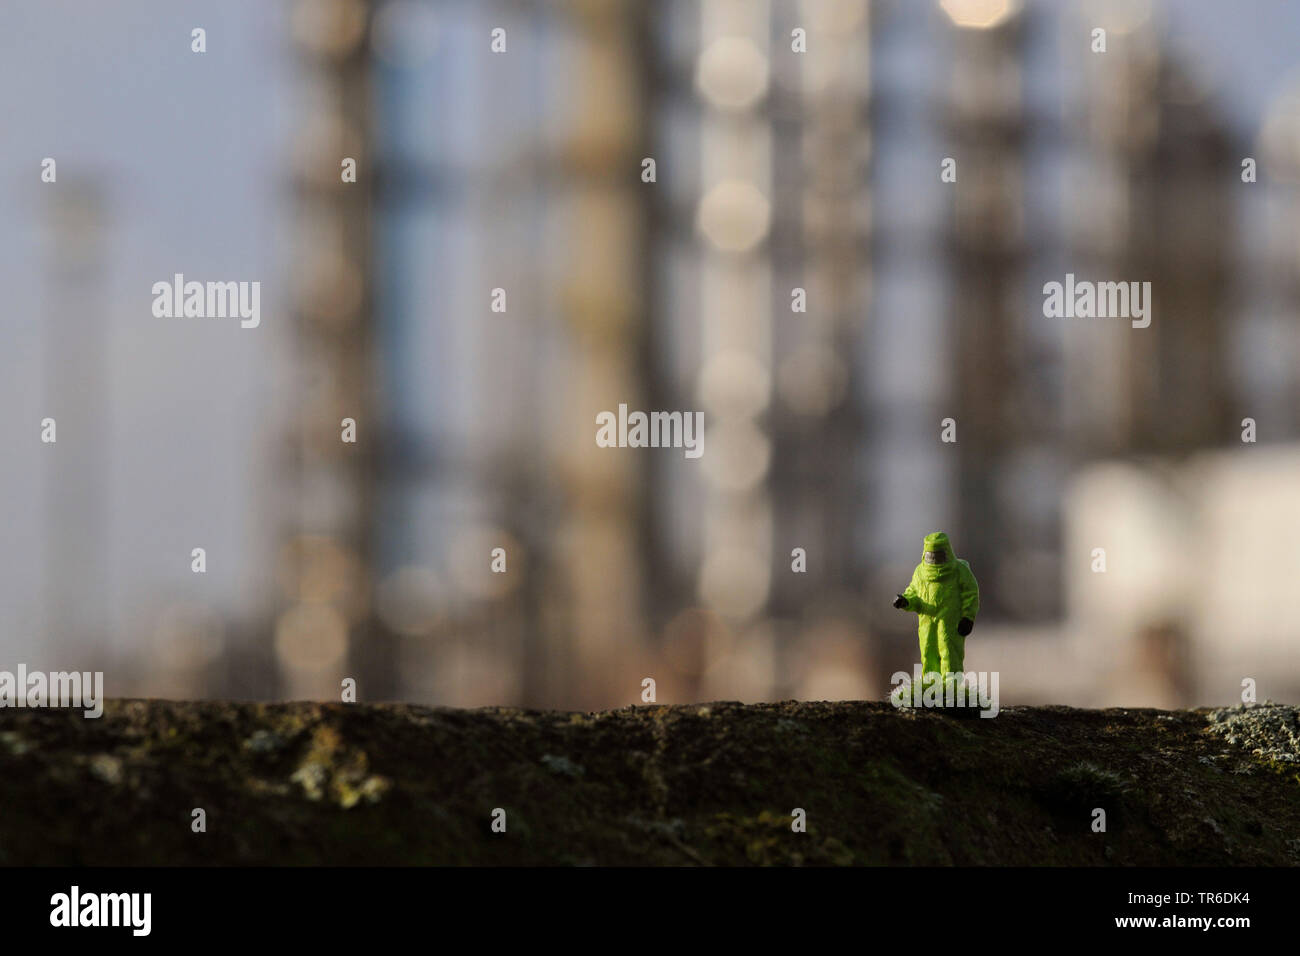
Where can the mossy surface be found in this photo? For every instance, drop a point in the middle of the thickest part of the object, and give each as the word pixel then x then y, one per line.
pixel 305 783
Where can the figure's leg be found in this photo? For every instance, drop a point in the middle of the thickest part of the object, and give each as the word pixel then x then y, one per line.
pixel 952 648
pixel 927 628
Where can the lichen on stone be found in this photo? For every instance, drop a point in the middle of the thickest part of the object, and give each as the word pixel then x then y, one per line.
pixel 1268 730
pixel 335 771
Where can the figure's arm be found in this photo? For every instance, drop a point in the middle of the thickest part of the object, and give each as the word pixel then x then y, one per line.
pixel 908 600
pixel 970 598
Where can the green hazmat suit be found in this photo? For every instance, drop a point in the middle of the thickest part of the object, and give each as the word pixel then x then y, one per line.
pixel 943 592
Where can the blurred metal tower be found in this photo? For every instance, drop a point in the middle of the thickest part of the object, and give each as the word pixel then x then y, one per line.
pixel 325 630
pixel 1156 209
pixel 985 125
pixel 821 242
pixel 524 179
pixel 604 304
pixel 764 112
pixel 733 219
pixel 76 587
pixel 1272 296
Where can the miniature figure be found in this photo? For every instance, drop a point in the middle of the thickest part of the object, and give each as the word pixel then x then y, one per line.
pixel 945 597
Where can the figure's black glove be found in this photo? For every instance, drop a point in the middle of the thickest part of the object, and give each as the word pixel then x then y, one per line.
pixel 965 626
pixel 900 602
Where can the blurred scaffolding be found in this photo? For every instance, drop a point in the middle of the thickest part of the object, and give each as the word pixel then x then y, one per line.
pixel 500 273
pixel 324 630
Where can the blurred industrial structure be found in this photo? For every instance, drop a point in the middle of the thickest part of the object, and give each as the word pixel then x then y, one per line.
pixel 529 276
pixel 505 266
pixel 324 628
pixel 75 391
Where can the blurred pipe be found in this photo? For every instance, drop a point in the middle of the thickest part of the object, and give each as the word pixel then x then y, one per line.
pixel 76 390
pixel 332 496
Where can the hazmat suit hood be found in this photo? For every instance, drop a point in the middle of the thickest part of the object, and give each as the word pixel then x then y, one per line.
pixel 937 560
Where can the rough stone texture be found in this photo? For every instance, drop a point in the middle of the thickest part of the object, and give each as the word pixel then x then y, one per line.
pixel 305 783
